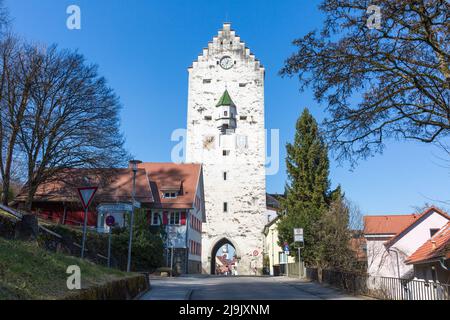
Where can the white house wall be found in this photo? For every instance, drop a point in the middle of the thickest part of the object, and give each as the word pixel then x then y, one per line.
pixel 383 263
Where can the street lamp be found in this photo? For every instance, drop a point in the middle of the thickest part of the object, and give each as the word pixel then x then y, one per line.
pixel 134 166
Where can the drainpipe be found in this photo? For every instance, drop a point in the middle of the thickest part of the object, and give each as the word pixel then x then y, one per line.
pixel 398 263
pixel 186 269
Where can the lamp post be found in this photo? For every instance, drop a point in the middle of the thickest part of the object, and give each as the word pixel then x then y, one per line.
pixel 134 166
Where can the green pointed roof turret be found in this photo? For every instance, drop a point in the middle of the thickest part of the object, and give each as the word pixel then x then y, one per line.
pixel 225 100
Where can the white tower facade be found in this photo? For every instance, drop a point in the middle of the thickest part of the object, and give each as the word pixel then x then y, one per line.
pixel 226 133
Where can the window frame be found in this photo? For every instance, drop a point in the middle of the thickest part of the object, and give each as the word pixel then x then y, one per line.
pixel 170 195
pixel 173 216
pixel 159 216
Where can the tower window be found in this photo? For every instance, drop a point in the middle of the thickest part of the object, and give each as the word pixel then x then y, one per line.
pixel 243 117
pixel 226 153
pixel 206 80
pixel 209 118
pixel 225 176
pixel 225 113
pixel 225 207
pixel 242 85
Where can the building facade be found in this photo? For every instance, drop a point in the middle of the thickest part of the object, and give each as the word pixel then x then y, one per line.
pixel 178 208
pixel 225 132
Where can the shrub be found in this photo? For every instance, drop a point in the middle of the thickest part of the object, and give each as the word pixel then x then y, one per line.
pixel 147 249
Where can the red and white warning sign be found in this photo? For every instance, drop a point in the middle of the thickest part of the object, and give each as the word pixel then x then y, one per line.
pixel 86 195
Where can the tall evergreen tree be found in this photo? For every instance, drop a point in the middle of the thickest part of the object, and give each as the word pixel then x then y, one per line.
pixel 307 191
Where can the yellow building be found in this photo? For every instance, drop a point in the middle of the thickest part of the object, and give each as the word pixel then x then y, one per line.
pixel 274 254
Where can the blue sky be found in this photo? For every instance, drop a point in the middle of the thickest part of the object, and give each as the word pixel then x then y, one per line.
pixel 144 48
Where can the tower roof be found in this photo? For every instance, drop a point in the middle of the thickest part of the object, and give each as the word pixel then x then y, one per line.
pixel 227 42
pixel 225 100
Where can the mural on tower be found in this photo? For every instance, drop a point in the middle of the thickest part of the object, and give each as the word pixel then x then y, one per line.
pixel 225 132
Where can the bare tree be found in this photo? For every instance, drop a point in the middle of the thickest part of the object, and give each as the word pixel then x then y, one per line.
pixel 19 64
pixel 71 120
pixel 391 81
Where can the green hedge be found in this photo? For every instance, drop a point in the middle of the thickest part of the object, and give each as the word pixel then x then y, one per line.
pixel 147 250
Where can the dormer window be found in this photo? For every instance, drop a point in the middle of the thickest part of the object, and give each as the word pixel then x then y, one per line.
pixel 170 195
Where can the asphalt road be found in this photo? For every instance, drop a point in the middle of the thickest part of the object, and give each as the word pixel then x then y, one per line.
pixel 240 288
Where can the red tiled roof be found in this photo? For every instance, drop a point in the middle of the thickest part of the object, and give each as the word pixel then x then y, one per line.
pixel 114 185
pixel 423 216
pixel 173 177
pixel 438 246
pixel 387 224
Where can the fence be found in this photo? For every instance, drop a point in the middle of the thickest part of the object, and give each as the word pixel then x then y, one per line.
pixel 382 287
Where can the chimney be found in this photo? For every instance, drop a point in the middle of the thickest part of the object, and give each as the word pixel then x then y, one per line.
pixel 433 245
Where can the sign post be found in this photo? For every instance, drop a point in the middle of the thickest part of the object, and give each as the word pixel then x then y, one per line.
pixel 110 221
pixel 286 253
pixel 298 237
pixel 86 195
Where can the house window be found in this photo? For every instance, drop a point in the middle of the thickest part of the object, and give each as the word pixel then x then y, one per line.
pixel 174 218
pixel 225 176
pixel 225 207
pixel 170 195
pixel 226 153
pixel 282 257
pixel 156 218
pixel 433 232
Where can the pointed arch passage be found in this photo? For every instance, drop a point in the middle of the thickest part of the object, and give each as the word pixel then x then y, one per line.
pixel 227 261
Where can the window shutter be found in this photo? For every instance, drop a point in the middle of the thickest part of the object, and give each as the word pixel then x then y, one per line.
pixel 165 217
pixel 183 218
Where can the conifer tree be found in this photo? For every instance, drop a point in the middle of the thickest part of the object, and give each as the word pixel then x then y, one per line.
pixel 307 191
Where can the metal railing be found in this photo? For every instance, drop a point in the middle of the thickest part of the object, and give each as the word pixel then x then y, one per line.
pixel 382 287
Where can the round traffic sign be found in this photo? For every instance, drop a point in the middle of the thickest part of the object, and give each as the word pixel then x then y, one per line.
pixel 255 253
pixel 110 221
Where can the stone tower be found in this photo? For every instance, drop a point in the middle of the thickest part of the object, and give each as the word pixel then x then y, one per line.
pixel 225 132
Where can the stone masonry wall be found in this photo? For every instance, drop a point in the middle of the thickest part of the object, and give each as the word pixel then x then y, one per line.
pixel 245 189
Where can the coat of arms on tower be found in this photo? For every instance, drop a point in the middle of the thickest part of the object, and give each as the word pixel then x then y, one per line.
pixel 208 142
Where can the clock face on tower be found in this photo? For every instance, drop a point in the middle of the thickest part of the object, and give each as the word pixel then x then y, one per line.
pixel 226 63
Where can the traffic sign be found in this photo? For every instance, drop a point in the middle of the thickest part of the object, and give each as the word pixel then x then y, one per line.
pixel 86 195
pixel 255 253
pixel 286 247
pixel 110 221
pixel 298 235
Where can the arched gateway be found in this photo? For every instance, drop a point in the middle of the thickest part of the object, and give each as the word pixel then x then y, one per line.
pixel 225 259
pixel 226 133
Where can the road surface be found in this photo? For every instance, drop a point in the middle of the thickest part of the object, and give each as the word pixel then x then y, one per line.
pixel 240 288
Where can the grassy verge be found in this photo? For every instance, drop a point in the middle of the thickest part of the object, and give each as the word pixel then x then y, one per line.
pixel 29 272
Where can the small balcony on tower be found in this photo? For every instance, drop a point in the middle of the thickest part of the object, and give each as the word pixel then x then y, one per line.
pixel 226 114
